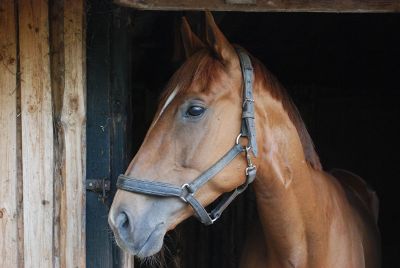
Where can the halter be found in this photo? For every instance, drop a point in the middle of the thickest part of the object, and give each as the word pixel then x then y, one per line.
pixel 187 191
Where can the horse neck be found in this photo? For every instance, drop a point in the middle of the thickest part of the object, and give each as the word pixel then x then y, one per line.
pixel 285 191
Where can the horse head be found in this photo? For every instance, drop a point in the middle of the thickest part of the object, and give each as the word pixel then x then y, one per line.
pixel 197 122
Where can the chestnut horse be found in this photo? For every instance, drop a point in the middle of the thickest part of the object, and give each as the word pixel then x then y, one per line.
pixel 307 217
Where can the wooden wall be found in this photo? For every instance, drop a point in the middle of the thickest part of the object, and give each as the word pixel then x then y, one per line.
pixel 42 141
pixel 267 5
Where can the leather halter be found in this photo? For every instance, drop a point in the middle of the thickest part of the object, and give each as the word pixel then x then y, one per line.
pixel 187 191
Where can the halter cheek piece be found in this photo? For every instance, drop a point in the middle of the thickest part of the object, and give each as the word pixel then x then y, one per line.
pixel 187 191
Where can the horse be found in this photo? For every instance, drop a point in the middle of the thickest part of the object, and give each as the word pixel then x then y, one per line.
pixel 225 122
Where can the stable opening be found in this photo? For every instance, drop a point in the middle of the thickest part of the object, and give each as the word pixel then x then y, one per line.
pixel 340 70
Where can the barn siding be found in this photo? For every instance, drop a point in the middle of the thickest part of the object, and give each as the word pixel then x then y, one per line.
pixel 9 242
pixel 37 134
pixel 47 228
pixel 73 118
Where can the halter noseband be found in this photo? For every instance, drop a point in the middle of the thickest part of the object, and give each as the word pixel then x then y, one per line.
pixel 186 191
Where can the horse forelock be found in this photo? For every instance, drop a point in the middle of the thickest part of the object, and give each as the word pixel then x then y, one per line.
pixel 201 69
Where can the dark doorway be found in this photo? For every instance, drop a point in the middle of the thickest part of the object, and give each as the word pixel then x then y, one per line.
pixel 340 69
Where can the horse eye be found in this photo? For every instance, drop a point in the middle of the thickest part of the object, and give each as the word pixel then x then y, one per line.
pixel 195 111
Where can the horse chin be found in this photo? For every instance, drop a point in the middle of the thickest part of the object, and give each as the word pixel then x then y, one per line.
pixel 146 247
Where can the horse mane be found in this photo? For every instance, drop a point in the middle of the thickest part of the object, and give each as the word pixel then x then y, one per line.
pixel 278 92
pixel 202 68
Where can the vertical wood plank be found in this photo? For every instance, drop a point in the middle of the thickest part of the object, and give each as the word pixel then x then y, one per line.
pixel 56 32
pixel 73 116
pixel 37 133
pixel 8 137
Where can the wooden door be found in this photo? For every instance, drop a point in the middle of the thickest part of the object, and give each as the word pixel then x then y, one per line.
pixel 107 115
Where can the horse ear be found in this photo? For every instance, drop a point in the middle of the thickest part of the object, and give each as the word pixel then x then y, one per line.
pixel 217 41
pixel 191 42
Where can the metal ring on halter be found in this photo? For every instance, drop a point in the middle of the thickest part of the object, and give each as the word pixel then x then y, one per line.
pixel 246 147
pixel 215 217
pixel 238 138
pixel 185 187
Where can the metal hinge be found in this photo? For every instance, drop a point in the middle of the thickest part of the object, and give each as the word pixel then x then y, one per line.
pixel 101 186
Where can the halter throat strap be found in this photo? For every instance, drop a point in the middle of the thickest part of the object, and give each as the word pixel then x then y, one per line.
pixel 187 191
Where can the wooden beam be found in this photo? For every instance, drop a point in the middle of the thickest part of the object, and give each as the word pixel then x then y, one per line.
pixel 9 243
pixel 266 5
pixel 73 118
pixel 37 133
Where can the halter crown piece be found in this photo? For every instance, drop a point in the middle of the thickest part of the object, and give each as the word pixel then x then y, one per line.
pixel 187 191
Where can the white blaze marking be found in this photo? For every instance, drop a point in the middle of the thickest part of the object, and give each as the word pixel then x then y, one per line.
pixel 167 102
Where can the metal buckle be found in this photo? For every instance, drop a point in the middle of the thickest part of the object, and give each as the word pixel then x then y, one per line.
pixel 246 100
pixel 247 149
pixel 185 192
pixel 250 165
pixel 248 156
pixel 249 169
pixel 214 218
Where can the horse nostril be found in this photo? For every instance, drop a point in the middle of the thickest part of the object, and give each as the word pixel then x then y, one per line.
pixel 122 221
pixel 125 224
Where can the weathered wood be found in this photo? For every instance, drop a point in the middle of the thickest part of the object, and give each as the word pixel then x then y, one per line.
pixel 57 88
pixel 73 117
pixel 9 243
pixel 37 133
pixel 267 5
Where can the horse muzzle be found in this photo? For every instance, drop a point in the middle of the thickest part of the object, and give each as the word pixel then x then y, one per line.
pixel 142 239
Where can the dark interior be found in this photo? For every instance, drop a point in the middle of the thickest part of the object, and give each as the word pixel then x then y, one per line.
pixel 341 70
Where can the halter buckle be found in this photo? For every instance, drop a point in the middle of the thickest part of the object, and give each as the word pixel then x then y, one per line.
pixel 213 217
pixel 246 100
pixel 248 156
pixel 185 191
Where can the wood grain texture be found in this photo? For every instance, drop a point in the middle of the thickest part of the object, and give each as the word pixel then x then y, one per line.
pixel 9 248
pixel 73 117
pixel 268 5
pixel 37 133
pixel 56 41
